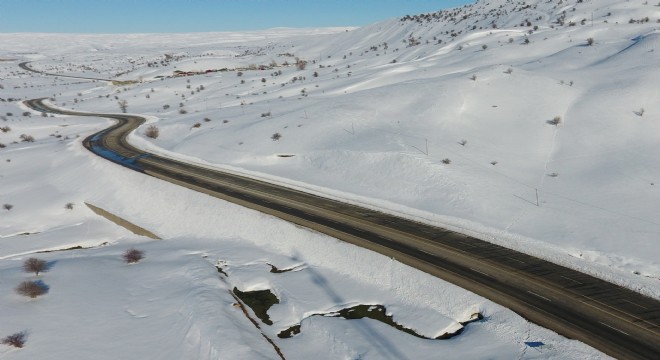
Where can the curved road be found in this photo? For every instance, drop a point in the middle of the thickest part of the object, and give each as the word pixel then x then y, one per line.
pixel 24 66
pixel 615 320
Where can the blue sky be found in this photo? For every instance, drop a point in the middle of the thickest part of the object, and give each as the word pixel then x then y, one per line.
pixel 131 16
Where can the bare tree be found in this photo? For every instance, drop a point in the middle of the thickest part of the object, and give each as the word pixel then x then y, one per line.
pixel 276 136
pixel 590 41
pixel 32 289
pixel 132 256
pixel 7 206
pixel 34 265
pixel 123 105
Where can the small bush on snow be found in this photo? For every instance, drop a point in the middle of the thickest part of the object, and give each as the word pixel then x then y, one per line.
pixel 555 121
pixel 27 138
pixel 152 131
pixel 132 256
pixel 16 340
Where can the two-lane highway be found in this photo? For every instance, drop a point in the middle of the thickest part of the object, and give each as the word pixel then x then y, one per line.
pixel 615 320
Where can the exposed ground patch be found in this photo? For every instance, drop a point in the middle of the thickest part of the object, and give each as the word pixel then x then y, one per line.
pixel 135 229
pixel 259 301
pixel 275 270
pixel 79 247
pixel 375 312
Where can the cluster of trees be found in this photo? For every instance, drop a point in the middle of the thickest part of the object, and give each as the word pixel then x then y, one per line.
pixel 35 288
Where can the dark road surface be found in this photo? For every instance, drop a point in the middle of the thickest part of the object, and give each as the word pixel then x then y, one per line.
pixel 612 319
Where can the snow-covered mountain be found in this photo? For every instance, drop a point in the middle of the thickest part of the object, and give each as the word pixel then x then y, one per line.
pixel 531 124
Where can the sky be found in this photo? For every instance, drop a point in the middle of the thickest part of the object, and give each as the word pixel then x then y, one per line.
pixel 149 16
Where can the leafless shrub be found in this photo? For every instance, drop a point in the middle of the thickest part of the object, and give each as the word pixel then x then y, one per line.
pixel 276 136
pixel 555 121
pixel 590 41
pixel 493 163
pixel 68 206
pixel 508 71
pixel 473 77
pixel 183 111
pixel 7 206
pixel 5 129
pixel 152 132
pixel 484 46
pixel 554 174
pixel 2 145
pixel 640 112
pixel 27 113
pixel 301 64
pixel 165 107
pixel 463 142
pixel 196 125
pixel 266 114
pixel 26 138
pixel 132 256
pixel 123 105
pixel 32 289
pixel 34 265
pixel 206 119
pixel 16 340
pixel 446 161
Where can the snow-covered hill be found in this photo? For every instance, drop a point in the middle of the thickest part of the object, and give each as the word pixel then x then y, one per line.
pixel 532 124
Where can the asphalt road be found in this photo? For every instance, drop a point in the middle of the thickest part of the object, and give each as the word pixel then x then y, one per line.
pixel 615 320
pixel 24 66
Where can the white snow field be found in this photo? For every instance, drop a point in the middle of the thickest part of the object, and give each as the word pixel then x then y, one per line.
pixel 457 118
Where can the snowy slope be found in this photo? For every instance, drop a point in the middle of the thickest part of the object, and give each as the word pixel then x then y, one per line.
pixel 360 116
